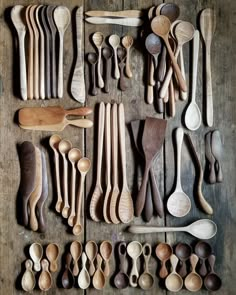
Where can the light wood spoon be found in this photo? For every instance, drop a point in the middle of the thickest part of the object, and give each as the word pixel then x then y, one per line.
pixel 98 40
pixel 84 278
pixel 114 41
pixel 91 250
pixel 99 279
pixel 174 282
pixel 106 252
pixel 17 19
pixel 28 280
pixel 36 254
pixel 134 250
pixel 52 253
pixel 217 151
pixel 45 278
pixel 76 252
pixel 127 42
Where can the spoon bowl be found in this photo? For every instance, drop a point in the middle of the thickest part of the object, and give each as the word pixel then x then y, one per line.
pixel 183 251
pixel 121 279
pixel 92 58
pixel 45 278
pixel 36 254
pixel 174 282
pixel 106 251
pixel 203 251
pixel 99 279
pixel 170 10
pixel 107 53
pixel 52 252
pixel 98 39
pixel 146 280
pixel 84 278
pixel 62 18
pixel 134 250
pixel 193 117
pixel 212 282
pixel 193 282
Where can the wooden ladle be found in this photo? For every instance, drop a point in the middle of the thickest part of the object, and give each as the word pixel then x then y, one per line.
pixel 134 250
pixel 127 42
pixel 114 41
pixel 212 281
pixel 146 280
pixel 67 277
pixel 84 278
pixel 107 55
pixel 28 280
pixel 106 252
pixel 183 251
pixel 93 59
pixel 203 251
pixel 98 39
pixel 36 254
pixel 52 253
pixel 64 147
pixel 163 252
pixel 193 282
pixel 99 279
pixel 174 282
pixel 121 279
pixel 76 251
pixel 91 250
pixel 45 278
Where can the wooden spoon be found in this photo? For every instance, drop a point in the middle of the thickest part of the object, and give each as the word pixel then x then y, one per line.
pixel 98 40
pixel 183 251
pixel 76 251
pixel 45 278
pixel 114 41
pixel 211 159
pixel 52 253
pixel 128 21
pixel 201 229
pixel 28 280
pixel 174 282
pixel 68 280
pixel 84 278
pixel 107 197
pixel 96 204
pixel 93 59
pixel 107 55
pixel 62 21
pixel 99 279
pixel 125 207
pixel 106 252
pixel 203 251
pixel 163 253
pixel 54 143
pixel 121 53
pixel 127 42
pixel 193 282
pixel 208 26
pixel 217 151
pixel 146 280
pixel 114 149
pixel 179 203
pixel 91 249
pixel 193 116
pixel 83 166
pixel 17 19
pixel 161 26
pixel 64 148
pixel 74 156
pixel 122 13
pixel 36 193
pixel 170 10
pixel 121 279
pixel 36 254
pixel 212 281
pixel 134 250
pixel 78 83
pixel 151 148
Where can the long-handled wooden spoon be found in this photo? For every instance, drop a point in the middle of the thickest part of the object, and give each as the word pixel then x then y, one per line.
pixel 114 41
pixel 98 40
pixel 127 42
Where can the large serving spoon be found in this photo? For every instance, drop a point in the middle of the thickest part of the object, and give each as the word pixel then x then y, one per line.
pixel 74 156
pixel 127 42
pixel 36 254
pixel 52 253
pixel 68 280
pixel 83 166
pixel 121 279
pixel 75 251
pixel 125 207
pixel 121 54
pixel 174 282
pixel 203 251
pixel 134 250
pixel 17 19
pixel 210 158
pixel 107 55
pixel 98 39
pixel 217 151
pixel 54 143
pixel 64 148
pixel 114 150
pixel 193 282
pixel 146 280
pixel 161 26
pixel 93 59
pixel 106 252
pixel 201 229
pixel 207 27
pixel 163 252
pixel 99 279
pixel 91 250
pixel 179 203
pixel 193 116
pixel 84 278
pixel 183 251
pixel 62 21
pixel 45 278
pixel 28 280
pixel 212 281
pixel 114 41
pixel 96 204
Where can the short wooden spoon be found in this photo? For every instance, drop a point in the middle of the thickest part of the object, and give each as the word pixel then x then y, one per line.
pixel 98 40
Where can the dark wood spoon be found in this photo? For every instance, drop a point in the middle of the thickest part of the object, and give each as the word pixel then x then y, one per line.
pixel 121 54
pixel 121 279
pixel 203 251
pixel 107 54
pixel 212 281
pixel 170 10
pixel 183 251
pixel 67 277
pixel 93 59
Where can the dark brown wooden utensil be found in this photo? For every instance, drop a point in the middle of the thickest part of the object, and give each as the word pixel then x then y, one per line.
pixel 212 281
pixel 153 138
pixel 211 159
pixel 183 251
pixel 107 54
pixel 27 157
pixel 217 151
pixel 67 277
pixel 93 59
pixel 121 54
pixel 203 251
pixel 170 10
pixel 121 279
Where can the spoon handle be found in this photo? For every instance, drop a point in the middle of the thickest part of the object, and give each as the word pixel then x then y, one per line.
pixel 193 260
pixel 152 81
pixel 209 96
pixel 79 200
pixel 157 200
pixel 58 186
pixel 179 134
pixel 23 80
pixel 211 259
pixel 122 256
pixel 65 187
pixel 117 72
pixel 163 273
pixel 174 261
pixel 72 198
pixel 60 67
pixel 100 79
pixel 183 94
pixel 148 206
pixel 128 71
pixel 195 64
pixel 134 274
pixel 107 74
pixel 122 83
pixel 162 65
pixel 147 251
pixel 171 98
pixel 203 269
pixel 93 90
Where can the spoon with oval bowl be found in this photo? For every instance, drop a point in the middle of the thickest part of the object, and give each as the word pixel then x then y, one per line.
pixel 121 279
pixel 146 280
pixel 98 40
pixel 183 251
pixel 203 251
pixel 75 251
pixel 134 250
pixel 212 281
pixel 28 280
pixel 84 278
pixel 36 254
pixel 99 279
pixel 114 41
pixel 106 251
pixel 91 249
pixel 174 282
pixel 52 252
pixel 163 253
pixel 67 277
pixel 45 278
pixel 127 42
pixel 93 59
pixel 193 282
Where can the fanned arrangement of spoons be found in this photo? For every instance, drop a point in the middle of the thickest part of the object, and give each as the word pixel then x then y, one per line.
pixel 43 27
pixel 69 163
pixel 103 61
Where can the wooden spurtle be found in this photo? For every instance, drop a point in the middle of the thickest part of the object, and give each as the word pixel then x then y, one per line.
pixel 131 22
pixel 28 174
pixel 122 13
pixel 48 115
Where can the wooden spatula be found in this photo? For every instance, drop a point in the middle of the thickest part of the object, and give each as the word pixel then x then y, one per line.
pixel 48 115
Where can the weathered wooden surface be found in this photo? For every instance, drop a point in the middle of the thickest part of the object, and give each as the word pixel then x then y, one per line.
pixel 15 239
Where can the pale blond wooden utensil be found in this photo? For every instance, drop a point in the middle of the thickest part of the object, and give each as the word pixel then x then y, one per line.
pixel 127 42
pixel 193 281
pixel 84 278
pixel 122 13
pixel 45 278
pixel 76 252
pixel 174 282
pixel 99 279
pixel 96 204
pixel 36 254
pixel 28 280
pixel 106 252
pixel 131 22
pixel 114 41
pixel 52 253
pixel 91 250
pixel 16 17
pixel 125 207
pixel 98 40
pixel 134 250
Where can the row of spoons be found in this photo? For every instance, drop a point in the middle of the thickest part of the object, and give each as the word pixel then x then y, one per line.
pixel 121 53
pixel 88 273
pixel 37 264
pixel 43 24
pixel 68 204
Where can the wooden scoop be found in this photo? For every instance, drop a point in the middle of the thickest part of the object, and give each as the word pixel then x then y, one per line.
pixel 134 250
pixel 67 277
pixel 127 42
pixel 212 281
pixel 163 252
pixel 28 280
pixel 146 280
pixel 174 282
pixel 36 254
pixel 48 115
pixel 153 138
pixel 99 279
pixel 106 252
pixel 193 282
pixel 91 249
pixel 45 278
pixel 84 278
pixel 52 253
pixel 121 279
pixel 98 40
pixel 76 251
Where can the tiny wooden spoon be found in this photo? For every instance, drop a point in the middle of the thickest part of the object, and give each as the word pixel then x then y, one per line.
pixel 68 280
pixel 107 54
pixel 114 41
pixel 174 282
pixel 74 156
pixel 98 40
pixel 52 253
pixel 28 280
pixel 183 251
pixel 99 279
pixel 36 254
pixel 76 251
pixel 106 252
pixel 134 250
pixel 84 278
pixel 83 166
pixel 45 278
pixel 203 251
pixel 127 42
pixel 163 253
pixel 91 249
pixel 212 281
pixel 146 280
pixel 193 282
pixel 64 147
pixel 121 53
pixel 93 59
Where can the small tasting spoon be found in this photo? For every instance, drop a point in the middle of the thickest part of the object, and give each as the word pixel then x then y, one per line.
pixel 212 281
pixel 114 41
pixel 107 55
pixel 127 42
pixel 134 250
pixel 93 59
pixel 98 40
pixel 121 53
pixel 84 278
pixel 163 253
pixel 121 279
pixel 146 280
pixel 193 282
pixel 45 278
pixel 174 282
pixel 91 250
pixel 99 279
pixel 28 280
pixel 36 254
pixel 183 251
pixel 203 251
pixel 52 253
pixel 106 251
pixel 76 251
pixel 67 277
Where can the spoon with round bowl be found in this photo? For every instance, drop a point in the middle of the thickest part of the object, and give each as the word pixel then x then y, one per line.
pixel 203 251
pixel 107 55
pixel 174 282
pixel 114 41
pixel 75 251
pixel 74 156
pixel 64 147
pixel 193 282
pixel 134 250
pixel 83 166
pixel 170 10
pixel 98 39
pixel 91 249
pixel 52 252
pixel 45 278
pixel 28 280
pixel 84 278
pixel 146 280
pixel 163 253
pixel 106 251
pixel 183 251
pixel 99 279
pixel 36 254
pixel 212 281
pixel 121 279
pixel 67 277
pixel 127 42
pixel 93 59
